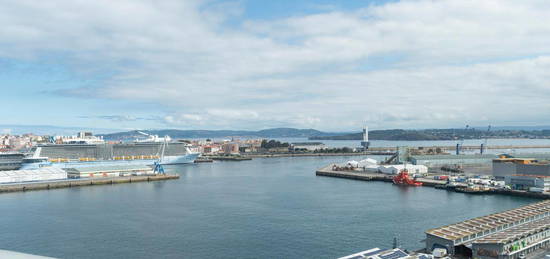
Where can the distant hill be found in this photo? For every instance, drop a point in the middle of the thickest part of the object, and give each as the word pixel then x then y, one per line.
pixel 440 134
pixel 395 134
pixel 174 133
pixel 392 134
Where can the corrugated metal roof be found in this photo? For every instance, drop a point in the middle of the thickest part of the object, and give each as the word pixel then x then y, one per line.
pixel 514 233
pixel 486 223
pixel 46 170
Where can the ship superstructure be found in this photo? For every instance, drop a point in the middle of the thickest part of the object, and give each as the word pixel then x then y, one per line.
pixel 148 153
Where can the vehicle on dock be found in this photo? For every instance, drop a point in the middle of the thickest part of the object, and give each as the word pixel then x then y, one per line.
pixel 403 178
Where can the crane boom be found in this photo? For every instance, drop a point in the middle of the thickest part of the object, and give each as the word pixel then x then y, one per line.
pixel 484 145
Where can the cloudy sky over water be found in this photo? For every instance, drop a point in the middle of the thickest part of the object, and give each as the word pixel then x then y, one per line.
pixel 255 64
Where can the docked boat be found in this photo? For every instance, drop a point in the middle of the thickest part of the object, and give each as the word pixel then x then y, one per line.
pixel 474 190
pixel 82 155
pixel 404 179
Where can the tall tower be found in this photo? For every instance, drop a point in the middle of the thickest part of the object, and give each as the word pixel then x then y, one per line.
pixel 365 143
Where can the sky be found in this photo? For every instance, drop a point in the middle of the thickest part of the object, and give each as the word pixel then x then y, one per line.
pixel 254 64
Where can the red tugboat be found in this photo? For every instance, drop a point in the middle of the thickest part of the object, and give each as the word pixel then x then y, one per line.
pixel 403 179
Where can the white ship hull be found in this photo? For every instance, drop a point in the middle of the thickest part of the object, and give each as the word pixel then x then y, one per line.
pixel 175 160
pixel 167 160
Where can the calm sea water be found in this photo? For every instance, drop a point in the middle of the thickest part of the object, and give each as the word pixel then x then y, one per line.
pixel 264 208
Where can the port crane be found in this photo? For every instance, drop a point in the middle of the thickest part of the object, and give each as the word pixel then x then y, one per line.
pixel 484 145
pixel 461 143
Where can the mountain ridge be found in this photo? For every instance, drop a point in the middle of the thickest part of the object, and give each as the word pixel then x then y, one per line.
pixel 175 133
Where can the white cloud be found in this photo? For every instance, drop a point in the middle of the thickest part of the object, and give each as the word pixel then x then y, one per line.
pixel 406 64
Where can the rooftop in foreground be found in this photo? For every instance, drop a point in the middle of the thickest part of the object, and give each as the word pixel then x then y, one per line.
pixel 515 233
pixel 491 223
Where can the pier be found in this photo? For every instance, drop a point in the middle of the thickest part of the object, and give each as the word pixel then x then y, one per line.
pixel 371 176
pixel 426 182
pixel 32 186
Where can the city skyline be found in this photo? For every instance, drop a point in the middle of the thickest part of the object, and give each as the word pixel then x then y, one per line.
pixel 252 65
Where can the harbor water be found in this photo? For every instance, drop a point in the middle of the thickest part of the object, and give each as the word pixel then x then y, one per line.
pixel 263 208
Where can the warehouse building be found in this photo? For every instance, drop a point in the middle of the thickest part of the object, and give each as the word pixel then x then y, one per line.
pixel 44 174
pixel 503 167
pixel 440 160
pixel 511 243
pixel 309 146
pixel 485 159
pixel 534 183
pixel 472 236
pixel 108 171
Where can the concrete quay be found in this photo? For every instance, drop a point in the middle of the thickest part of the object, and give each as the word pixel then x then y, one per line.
pixel 354 175
pixel 229 158
pixel 426 182
pixel 32 186
pixel 371 176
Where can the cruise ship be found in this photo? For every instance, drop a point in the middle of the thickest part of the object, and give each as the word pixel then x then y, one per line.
pixel 87 150
pixel 10 161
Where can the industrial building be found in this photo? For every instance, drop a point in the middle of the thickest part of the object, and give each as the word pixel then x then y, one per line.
pixel 534 183
pixel 108 171
pixel 231 148
pixel 513 242
pixel 500 235
pixel 44 174
pixel 503 167
pixel 365 143
pixel 440 160
pixel 309 146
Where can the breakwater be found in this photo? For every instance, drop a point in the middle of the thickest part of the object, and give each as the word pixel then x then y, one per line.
pixel 32 186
